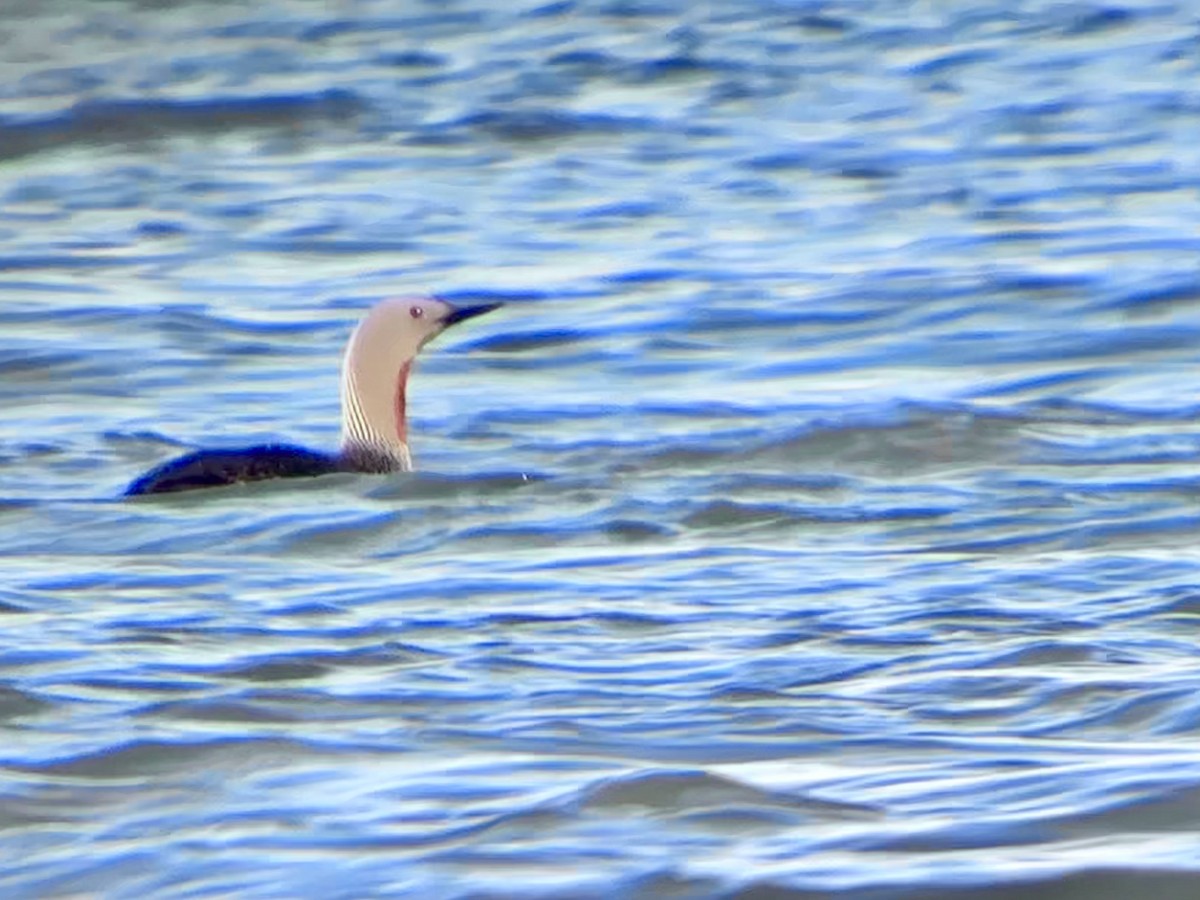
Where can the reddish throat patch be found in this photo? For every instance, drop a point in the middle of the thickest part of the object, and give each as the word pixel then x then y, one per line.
pixel 402 403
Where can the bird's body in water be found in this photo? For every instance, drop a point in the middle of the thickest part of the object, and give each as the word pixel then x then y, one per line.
pixel 375 374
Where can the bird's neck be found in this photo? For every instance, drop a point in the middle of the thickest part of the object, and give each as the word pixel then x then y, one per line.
pixel 374 418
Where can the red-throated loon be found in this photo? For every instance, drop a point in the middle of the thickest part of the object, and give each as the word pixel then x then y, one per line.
pixel 374 425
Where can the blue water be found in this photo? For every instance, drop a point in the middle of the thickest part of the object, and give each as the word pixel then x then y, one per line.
pixel 818 519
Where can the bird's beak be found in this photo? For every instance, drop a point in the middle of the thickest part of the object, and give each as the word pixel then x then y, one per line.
pixel 462 313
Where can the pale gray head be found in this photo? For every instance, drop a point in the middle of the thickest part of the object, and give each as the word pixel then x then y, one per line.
pixel 375 376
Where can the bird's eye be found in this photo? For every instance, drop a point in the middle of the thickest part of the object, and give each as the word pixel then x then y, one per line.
pixel 416 312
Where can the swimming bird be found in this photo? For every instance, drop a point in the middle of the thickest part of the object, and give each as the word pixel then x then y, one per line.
pixel 375 370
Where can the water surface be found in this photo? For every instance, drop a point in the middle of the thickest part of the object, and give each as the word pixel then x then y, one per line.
pixel 817 519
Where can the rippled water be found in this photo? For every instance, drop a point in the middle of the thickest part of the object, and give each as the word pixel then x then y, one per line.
pixel 818 519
